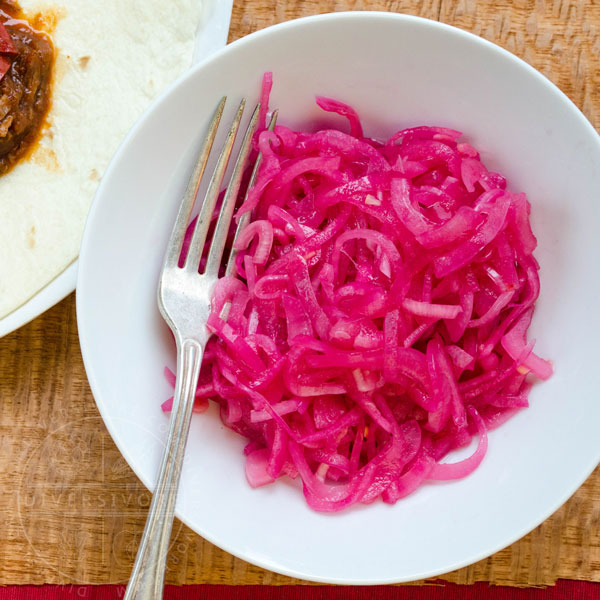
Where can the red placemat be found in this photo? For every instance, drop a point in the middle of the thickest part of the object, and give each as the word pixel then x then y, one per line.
pixel 563 590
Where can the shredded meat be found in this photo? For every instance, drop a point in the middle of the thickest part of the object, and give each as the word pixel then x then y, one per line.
pixel 24 89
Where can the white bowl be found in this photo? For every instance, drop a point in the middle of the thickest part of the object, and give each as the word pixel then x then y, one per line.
pixel 397 71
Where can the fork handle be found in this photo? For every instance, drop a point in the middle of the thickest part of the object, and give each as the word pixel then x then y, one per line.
pixel 147 578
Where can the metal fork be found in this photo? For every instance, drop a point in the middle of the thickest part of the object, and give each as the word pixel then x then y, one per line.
pixel 184 300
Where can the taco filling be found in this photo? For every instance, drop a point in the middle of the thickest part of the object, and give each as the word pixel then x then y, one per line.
pixel 26 58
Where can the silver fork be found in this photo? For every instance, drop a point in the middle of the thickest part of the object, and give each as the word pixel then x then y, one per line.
pixel 184 300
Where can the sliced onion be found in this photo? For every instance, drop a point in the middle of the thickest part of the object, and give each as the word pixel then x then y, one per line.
pixel 381 315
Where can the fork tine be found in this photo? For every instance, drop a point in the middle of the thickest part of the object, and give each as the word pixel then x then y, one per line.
pixel 187 204
pixel 210 199
pixel 246 216
pixel 221 230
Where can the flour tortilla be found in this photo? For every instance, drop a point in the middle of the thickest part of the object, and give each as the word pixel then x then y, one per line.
pixel 113 58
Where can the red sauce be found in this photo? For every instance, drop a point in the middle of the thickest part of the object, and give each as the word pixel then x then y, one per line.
pixel 25 89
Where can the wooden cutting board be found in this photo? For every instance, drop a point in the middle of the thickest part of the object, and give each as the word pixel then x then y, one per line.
pixel 71 510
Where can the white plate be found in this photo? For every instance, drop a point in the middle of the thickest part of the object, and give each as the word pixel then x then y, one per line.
pixel 212 35
pixel 48 296
pixel 397 71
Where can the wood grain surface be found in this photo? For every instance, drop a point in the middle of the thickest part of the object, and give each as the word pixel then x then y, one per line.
pixel 72 511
